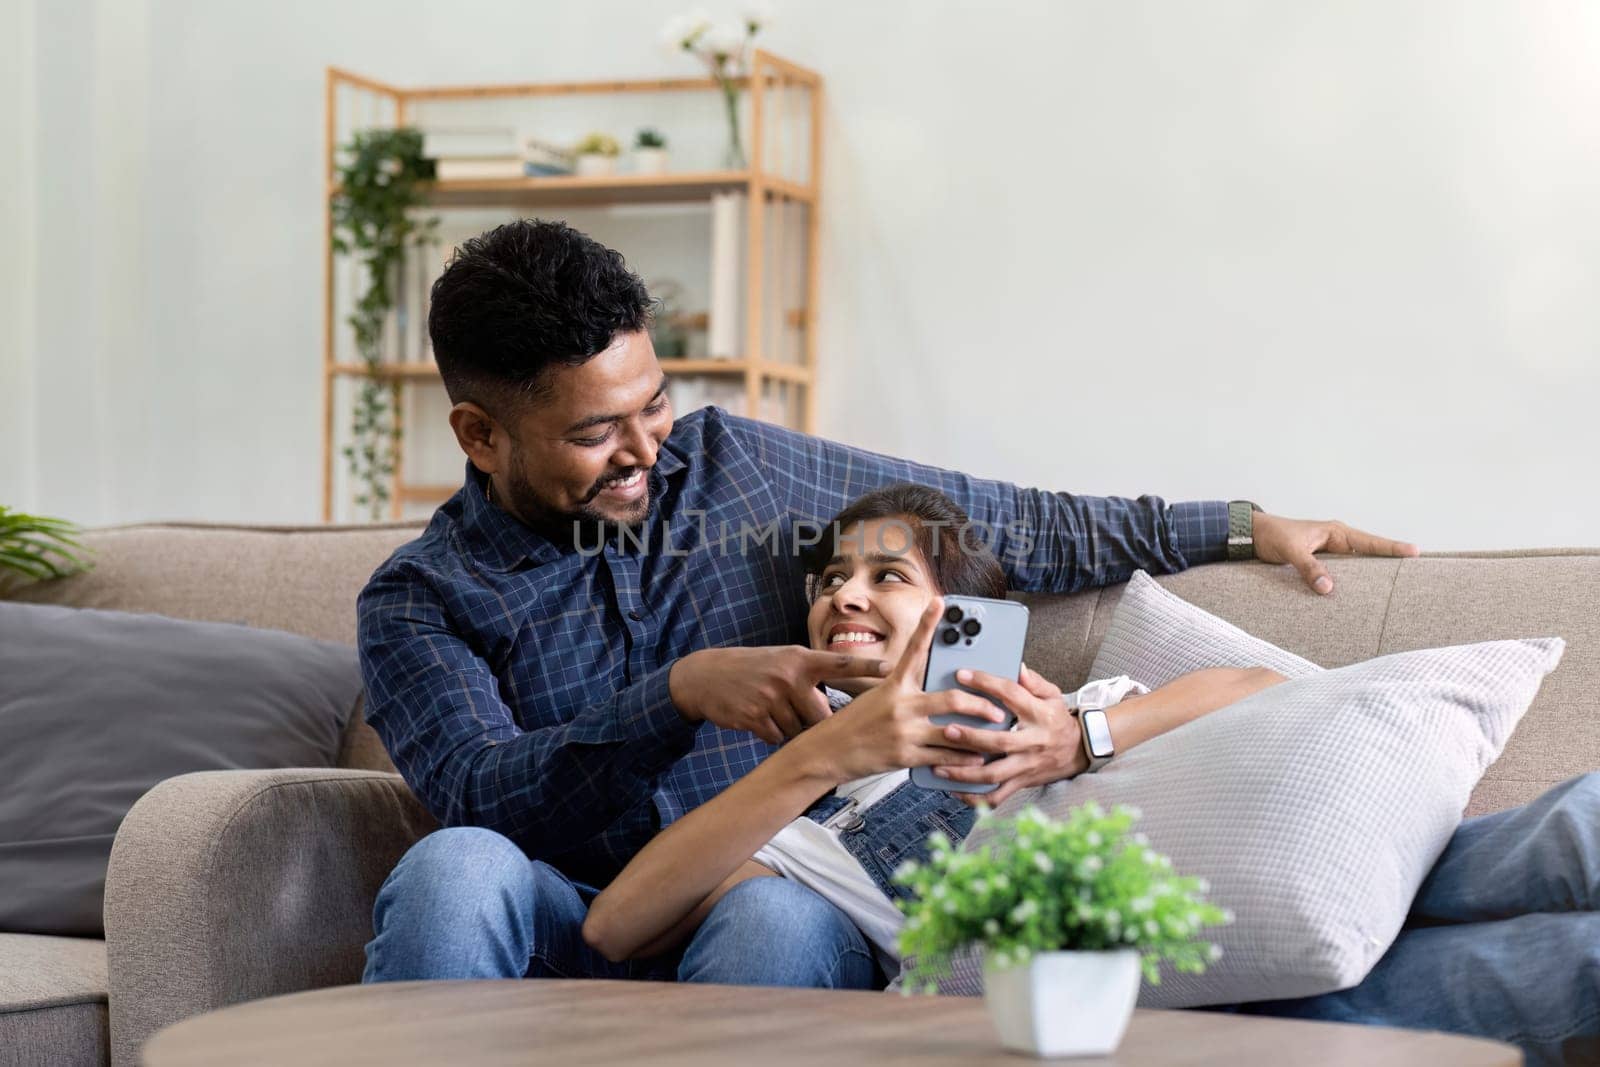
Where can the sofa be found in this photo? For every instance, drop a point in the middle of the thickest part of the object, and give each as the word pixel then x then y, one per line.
pixel 234 885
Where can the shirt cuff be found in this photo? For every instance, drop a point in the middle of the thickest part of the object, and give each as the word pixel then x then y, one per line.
pixel 1199 530
pixel 650 720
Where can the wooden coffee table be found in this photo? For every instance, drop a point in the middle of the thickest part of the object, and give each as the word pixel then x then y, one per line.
pixel 649 1023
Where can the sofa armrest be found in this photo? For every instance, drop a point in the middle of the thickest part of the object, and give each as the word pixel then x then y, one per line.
pixel 226 886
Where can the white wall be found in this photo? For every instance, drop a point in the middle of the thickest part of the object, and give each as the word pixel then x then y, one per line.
pixel 1338 258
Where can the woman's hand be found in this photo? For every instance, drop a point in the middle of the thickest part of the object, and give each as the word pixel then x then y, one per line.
pixel 1043 748
pixel 887 727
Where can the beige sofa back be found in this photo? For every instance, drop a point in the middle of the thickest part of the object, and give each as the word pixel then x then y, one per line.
pixel 305 580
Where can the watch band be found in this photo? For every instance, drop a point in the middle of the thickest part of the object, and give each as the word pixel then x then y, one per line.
pixel 1241 529
pixel 1096 760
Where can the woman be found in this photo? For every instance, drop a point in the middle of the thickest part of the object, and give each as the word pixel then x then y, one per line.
pixel 834 808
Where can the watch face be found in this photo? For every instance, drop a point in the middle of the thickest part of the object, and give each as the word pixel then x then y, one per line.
pixel 1098 733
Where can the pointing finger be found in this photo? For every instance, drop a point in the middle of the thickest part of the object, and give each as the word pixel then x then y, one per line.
pixel 914 661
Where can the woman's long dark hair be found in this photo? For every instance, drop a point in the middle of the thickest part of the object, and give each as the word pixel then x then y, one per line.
pixel 960 562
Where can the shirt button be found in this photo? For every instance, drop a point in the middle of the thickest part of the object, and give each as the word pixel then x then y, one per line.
pixel 635 616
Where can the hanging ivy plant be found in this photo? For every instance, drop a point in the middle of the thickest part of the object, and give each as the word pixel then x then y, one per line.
pixel 381 174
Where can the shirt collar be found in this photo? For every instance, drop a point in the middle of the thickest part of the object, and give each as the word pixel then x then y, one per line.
pixel 501 542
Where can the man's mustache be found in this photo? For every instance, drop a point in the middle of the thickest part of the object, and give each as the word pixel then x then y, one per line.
pixel 601 484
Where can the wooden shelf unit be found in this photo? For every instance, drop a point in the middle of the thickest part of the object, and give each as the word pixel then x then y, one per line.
pixel 773 176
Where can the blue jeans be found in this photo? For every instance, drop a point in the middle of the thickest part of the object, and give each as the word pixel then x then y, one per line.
pixel 1503 939
pixel 467 903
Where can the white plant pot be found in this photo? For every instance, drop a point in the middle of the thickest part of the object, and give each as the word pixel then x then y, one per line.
pixel 594 165
pixel 1063 1003
pixel 650 160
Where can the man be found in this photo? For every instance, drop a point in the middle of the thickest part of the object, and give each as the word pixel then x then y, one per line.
pixel 604 628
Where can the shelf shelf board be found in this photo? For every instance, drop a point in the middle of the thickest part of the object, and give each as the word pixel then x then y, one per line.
pixel 602 189
pixel 426 493
pixel 572 190
pixel 422 371
pixel 791 372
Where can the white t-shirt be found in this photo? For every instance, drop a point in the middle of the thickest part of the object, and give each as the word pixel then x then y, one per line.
pixel 810 852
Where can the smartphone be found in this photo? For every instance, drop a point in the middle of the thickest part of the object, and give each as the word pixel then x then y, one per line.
pixel 982 635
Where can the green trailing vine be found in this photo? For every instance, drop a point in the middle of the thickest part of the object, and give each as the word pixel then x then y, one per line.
pixel 381 175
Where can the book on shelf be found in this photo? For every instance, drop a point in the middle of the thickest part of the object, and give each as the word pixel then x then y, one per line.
pixel 546 157
pixel 723 318
pixel 478 169
pixel 691 392
pixel 469 142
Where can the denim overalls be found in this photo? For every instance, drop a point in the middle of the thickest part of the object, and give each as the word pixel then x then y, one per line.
pixel 893 830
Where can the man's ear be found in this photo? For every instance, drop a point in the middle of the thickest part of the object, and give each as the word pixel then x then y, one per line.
pixel 478 434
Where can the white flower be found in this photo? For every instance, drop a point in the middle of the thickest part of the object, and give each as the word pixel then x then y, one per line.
pixel 1092 864
pixel 1151 927
pixel 1024 911
pixel 1001 960
pixel 1093 839
pixel 1140 839
pixel 756 16
pixel 1140 905
pixel 1227 915
pixel 906 869
pixel 724 39
pixel 980 886
pixel 1213 952
pixel 1202 885
pixel 1002 883
pixel 950 907
pixel 1043 862
pixel 1113 917
pixel 1131 934
pixel 683 32
pixel 991 928
pixel 939 891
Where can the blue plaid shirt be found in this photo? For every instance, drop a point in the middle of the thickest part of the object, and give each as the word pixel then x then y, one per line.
pixel 521 684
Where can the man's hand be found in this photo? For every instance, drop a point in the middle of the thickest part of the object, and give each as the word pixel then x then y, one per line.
pixel 1280 540
pixel 1043 748
pixel 770 692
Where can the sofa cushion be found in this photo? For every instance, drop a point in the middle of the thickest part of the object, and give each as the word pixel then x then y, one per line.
pixel 53 1000
pixel 1314 807
pixel 96 707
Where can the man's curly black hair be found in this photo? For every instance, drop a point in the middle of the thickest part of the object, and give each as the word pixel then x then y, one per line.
pixel 525 296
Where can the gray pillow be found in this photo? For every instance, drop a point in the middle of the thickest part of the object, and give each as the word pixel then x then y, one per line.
pixel 1314 807
pixel 1156 636
pixel 96 707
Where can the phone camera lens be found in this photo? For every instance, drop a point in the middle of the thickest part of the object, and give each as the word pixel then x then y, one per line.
pixel 950 637
pixel 952 615
pixel 971 627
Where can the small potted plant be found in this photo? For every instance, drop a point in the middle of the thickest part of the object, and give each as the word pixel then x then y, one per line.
pixel 597 154
pixel 1068 913
pixel 649 152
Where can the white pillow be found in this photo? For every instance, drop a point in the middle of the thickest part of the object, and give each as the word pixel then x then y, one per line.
pixel 1314 808
pixel 1156 636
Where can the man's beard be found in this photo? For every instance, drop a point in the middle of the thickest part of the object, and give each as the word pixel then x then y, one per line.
pixel 586 525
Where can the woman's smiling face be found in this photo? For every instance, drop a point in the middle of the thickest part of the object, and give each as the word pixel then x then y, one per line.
pixel 871 594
